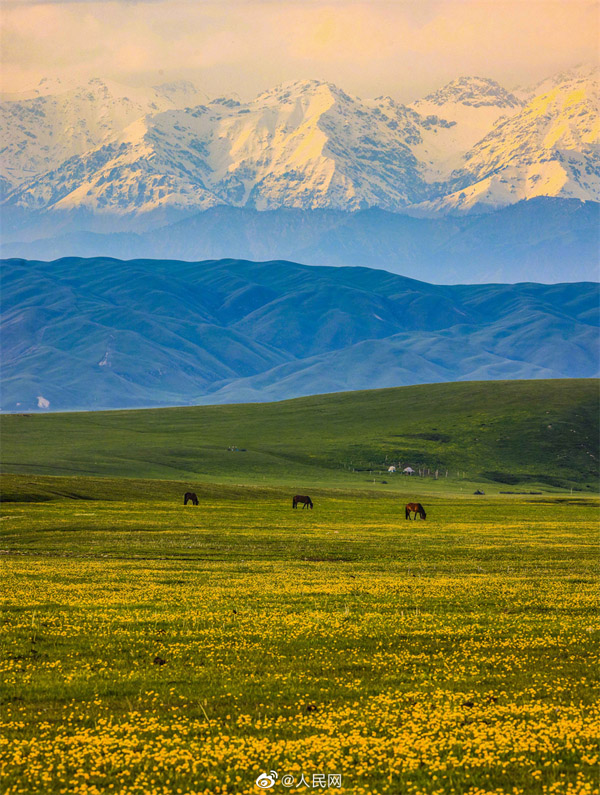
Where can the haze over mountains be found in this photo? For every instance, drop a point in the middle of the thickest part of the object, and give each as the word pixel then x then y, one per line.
pixel 542 240
pixel 101 333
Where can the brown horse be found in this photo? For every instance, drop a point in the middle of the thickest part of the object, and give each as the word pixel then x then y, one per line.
pixel 189 495
pixel 308 503
pixel 416 508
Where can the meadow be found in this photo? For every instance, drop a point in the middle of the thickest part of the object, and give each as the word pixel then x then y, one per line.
pixel 530 434
pixel 152 648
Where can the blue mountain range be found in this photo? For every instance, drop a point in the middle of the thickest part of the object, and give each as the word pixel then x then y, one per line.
pixel 104 333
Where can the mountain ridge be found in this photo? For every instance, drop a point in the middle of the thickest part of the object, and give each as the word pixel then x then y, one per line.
pixel 304 144
pixel 101 333
pixel 542 240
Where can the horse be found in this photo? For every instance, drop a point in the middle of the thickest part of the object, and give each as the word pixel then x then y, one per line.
pixel 416 508
pixel 308 503
pixel 189 495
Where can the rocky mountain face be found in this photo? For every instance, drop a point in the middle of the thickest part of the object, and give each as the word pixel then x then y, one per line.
pixel 550 147
pixel 54 123
pixel 472 107
pixel 107 150
pixel 306 145
pixel 103 333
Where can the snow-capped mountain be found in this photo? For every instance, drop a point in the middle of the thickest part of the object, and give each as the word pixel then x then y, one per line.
pixel 47 85
pixel 551 147
pixel 307 144
pixel 53 123
pixel 472 106
pixel 582 73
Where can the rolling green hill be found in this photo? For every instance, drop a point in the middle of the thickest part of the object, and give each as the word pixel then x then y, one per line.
pixel 503 433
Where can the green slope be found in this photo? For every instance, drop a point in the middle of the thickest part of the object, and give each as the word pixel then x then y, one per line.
pixel 505 433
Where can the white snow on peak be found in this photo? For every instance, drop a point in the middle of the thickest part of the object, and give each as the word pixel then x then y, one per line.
pixel 46 86
pixel 473 92
pixel 304 144
pixel 580 74
pixel 473 105
pixel 41 132
pixel 550 148
pixel 126 150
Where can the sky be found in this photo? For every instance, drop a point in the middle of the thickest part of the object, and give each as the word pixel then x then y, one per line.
pixel 397 48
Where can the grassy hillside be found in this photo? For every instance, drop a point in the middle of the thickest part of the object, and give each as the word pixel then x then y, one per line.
pixel 507 434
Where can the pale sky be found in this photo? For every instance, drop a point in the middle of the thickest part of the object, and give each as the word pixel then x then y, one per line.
pixel 394 47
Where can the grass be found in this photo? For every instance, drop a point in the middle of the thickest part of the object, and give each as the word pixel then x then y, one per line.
pixel 152 648
pixel 500 434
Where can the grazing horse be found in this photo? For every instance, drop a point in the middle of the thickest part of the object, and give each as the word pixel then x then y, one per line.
pixel 308 503
pixel 416 508
pixel 189 495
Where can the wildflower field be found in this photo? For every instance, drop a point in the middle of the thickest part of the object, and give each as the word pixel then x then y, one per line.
pixel 152 648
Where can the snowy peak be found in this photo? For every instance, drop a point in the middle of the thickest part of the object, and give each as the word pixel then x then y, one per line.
pixel 475 92
pixel 304 144
pixel 181 93
pixel 292 90
pixel 550 148
pixel 47 85
pixel 470 106
pixel 43 131
pixel 299 101
pixel 578 76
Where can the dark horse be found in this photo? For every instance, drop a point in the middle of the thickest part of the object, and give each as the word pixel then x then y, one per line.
pixel 416 508
pixel 308 503
pixel 189 495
